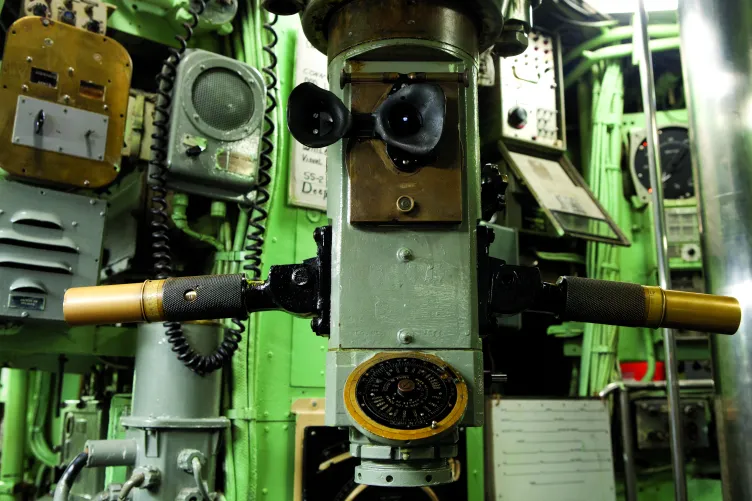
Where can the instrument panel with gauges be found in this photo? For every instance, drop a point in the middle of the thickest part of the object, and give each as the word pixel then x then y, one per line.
pixel 675 159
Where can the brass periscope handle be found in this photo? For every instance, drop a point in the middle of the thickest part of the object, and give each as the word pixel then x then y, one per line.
pixel 633 305
pixel 183 298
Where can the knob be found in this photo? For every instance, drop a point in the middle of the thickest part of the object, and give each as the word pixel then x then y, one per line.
pixel 93 26
pixel 68 17
pixel 39 9
pixel 517 117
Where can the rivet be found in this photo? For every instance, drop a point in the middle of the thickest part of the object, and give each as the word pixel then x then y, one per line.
pixel 404 254
pixel 87 183
pixel 101 214
pixel 70 70
pixel 404 336
pixel 190 295
pixel 29 59
pixel 106 107
pixel 405 203
pixel 66 98
pixel 195 116
pixel 434 425
pixel 25 314
pixel 91 201
pixel 74 223
pixel 24 87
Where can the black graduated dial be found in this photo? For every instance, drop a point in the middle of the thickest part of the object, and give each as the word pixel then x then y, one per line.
pixel 407 393
pixel 676 163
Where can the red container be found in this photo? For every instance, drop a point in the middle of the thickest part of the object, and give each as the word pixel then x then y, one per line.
pixel 635 371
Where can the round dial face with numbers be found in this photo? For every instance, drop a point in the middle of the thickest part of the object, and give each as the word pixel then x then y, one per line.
pixel 676 163
pixel 406 395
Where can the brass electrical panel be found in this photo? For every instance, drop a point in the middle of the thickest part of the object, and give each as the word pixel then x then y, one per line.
pixel 79 80
pixel 381 193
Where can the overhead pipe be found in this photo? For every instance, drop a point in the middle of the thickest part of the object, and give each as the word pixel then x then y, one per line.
pixel 615 52
pixel 620 33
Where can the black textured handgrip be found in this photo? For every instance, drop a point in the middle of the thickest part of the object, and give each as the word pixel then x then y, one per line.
pixel 603 302
pixel 204 298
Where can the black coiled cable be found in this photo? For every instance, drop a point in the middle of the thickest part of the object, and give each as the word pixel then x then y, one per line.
pixel 161 252
pixel 256 228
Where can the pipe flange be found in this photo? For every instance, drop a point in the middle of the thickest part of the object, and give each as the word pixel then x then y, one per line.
pixel 189 494
pixel 152 476
pixel 185 459
pixel 404 474
pixel 318 15
pixel 385 452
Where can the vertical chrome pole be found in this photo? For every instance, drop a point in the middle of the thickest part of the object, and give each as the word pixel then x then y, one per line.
pixel 664 279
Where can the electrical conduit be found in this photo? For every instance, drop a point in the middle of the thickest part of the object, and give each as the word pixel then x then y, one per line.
pixel 14 434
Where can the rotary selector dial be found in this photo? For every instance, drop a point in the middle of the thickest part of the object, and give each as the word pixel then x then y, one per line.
pixel 405 396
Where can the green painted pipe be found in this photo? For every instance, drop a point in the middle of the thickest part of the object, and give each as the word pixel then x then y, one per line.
pixel 180 218
pixel 649 354
pixel 620 33
pixel 14 434
pixel 615 52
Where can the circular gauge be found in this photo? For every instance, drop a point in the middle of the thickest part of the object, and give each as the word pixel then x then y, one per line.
pixel 676 163
pixel 405 396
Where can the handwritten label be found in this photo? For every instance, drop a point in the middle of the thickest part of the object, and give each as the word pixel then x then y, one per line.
pixel 308 165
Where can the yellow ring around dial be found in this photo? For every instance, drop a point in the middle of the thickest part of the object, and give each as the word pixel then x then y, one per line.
pixel 380 430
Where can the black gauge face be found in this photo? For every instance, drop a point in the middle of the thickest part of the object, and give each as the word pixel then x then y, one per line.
pixel 407 393
pixel 676 163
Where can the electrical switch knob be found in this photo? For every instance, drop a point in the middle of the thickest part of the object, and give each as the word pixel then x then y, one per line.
pixel 93 26
pixel 68 17
pixel 517 117
pixel 39 9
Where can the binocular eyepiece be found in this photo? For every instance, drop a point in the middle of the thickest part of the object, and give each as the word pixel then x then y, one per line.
pixel 410 119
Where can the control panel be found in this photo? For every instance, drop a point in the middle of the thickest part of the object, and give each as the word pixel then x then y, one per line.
pixel 90 15
pixel 64 99
pixel 653 426
pixel 531 102
pixel 682 219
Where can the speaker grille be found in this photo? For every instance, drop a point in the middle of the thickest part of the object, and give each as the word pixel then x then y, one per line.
pixel 222 99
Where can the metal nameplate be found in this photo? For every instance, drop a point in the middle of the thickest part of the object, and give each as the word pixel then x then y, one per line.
pixel 24 302
pixel 53 127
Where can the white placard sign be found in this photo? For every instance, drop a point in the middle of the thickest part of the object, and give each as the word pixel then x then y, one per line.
pixel 554 188
pixel 545 450
pixel 308 165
